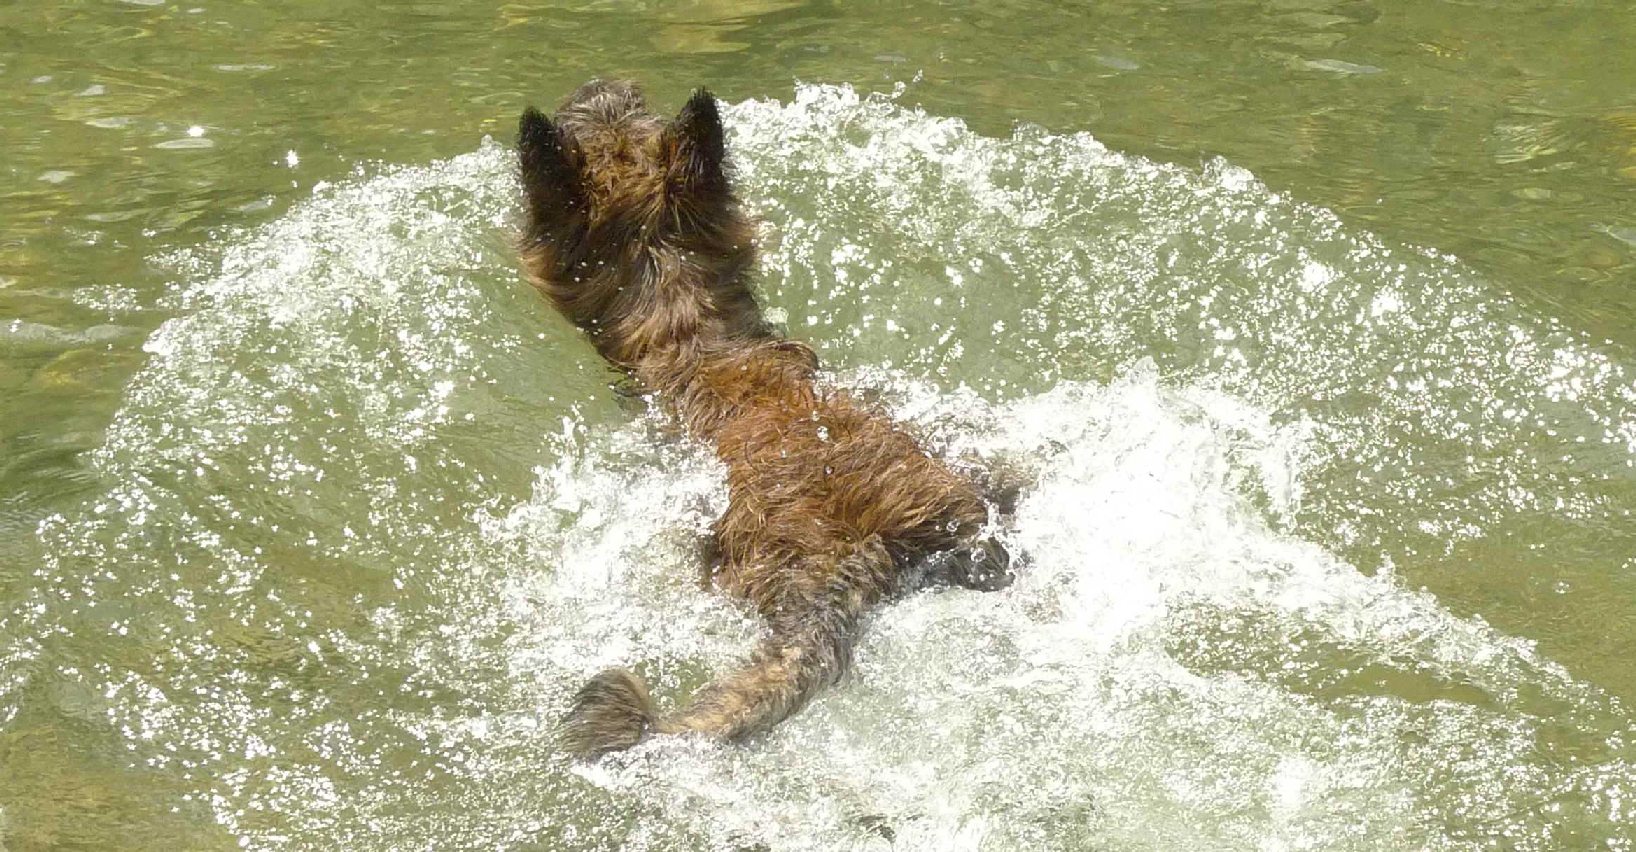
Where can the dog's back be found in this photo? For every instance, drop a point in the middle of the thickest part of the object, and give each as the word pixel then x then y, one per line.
pixel 634 234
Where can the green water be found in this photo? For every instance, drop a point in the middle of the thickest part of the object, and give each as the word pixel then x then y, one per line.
pixel 310 515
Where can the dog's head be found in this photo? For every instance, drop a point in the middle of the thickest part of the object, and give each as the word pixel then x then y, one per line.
pixel 631 214
pixel 608 155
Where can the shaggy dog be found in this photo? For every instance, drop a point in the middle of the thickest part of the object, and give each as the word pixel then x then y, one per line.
pixel 634 234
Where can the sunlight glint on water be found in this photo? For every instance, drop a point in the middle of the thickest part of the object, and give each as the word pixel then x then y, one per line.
pixel 373 515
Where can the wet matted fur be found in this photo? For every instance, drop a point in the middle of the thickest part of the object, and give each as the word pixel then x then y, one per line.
pixel 634 234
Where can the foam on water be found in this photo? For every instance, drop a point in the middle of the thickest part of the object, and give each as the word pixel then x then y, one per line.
pixel 1167 673
pixel 1399 361
pixel 372 515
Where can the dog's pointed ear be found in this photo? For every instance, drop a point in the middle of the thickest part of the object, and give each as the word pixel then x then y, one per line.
pixel 699 145
pixel 548 176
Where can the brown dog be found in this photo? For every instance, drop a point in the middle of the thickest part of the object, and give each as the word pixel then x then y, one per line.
pixel 634 234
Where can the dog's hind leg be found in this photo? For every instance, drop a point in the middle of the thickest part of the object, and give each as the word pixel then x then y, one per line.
pixel 981 563
pixel 709 553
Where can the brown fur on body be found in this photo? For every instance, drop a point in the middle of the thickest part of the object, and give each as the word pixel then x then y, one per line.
pixel 634 234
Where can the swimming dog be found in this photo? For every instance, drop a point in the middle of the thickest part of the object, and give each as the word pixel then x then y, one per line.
pixel 634 234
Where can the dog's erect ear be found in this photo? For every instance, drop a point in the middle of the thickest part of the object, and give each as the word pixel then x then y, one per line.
pixel 548 176
pixel 699 144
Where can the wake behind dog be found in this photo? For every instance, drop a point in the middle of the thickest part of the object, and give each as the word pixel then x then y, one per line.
pixel 634 234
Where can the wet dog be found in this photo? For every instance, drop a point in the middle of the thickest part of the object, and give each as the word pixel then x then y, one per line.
pixel 634 234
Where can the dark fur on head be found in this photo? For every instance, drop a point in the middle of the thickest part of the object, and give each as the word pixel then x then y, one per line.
pixel 634 234
pixel 623 206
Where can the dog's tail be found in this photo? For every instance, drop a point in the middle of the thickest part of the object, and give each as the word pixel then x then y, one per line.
pixel 810 648
pixel 611 713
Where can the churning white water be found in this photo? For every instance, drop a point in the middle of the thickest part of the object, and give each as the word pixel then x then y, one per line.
pixel 372 513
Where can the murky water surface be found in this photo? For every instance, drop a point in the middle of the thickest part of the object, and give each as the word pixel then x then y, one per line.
pixel 1309 322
